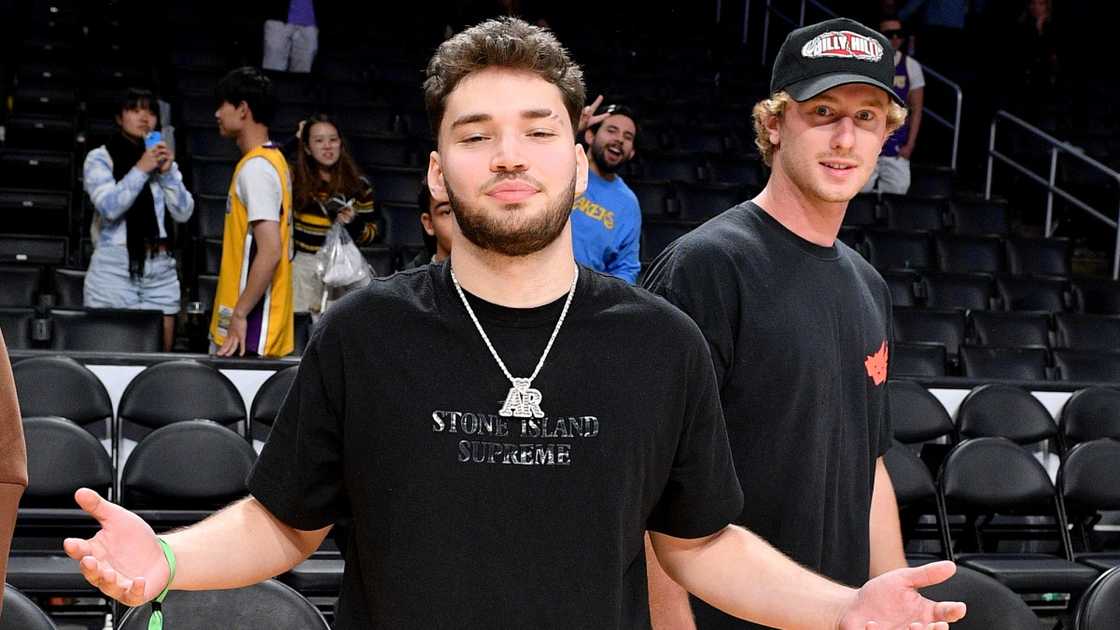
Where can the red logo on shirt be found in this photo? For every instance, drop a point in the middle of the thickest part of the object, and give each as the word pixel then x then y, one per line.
pixel 876 365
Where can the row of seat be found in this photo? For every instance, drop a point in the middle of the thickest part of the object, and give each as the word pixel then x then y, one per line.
pixel 902 249
pixel 930 360
pixel 1003 292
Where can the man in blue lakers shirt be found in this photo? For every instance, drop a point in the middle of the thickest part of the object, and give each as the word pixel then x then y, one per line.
pixel 606 220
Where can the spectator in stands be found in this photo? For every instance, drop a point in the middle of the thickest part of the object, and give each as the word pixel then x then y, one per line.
pixel 291 36
pixel 797 322
pixel 892 169
pixel 943 37
pixel 606 219
pixel 439 228
pixel 328 188
pixel 1037 52
pixel 393 418
pixel 134 190
pixel 253 302
pixel 13 458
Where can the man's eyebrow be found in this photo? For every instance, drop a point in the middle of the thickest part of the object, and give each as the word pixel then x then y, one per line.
pixel 467 119
pixel 537 113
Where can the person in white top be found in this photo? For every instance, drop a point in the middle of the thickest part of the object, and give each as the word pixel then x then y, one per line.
pixel 892 171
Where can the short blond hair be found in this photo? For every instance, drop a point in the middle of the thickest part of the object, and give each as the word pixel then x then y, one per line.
pixel 776 105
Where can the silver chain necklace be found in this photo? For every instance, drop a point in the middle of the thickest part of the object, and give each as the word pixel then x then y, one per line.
pixel 522 401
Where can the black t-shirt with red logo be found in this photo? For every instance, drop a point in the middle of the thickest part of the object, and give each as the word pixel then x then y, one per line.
pixel 466 519
pixel 800 336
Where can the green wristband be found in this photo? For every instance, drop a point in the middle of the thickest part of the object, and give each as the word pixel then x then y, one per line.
pixel 155 622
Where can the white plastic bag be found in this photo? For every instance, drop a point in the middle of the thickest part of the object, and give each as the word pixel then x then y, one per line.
pixel 338 262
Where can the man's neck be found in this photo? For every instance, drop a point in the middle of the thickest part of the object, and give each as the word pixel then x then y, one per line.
pixel 813 220
pixel 593 166
pixel 515 281
pixel 251 137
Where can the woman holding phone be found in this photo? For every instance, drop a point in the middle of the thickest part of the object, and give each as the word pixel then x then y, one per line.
pixel 134 186
pixel 328 188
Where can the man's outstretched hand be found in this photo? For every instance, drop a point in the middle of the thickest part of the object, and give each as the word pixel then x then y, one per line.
pixel 123 559
pixel 892 601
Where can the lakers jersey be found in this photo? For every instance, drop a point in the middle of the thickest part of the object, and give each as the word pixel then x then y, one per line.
pixel 271 330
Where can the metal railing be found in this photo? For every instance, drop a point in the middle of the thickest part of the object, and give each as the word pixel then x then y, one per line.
pixel 1057 147
pixel 954 127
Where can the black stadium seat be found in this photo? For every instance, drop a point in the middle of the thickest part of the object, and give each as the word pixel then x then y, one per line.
pixel 960 291
pixel 677 167
pixel 69 287
pixel 899 250
pixel 16 324
pixel 915 493
pixel 656 236
pixel 946 327
pixel 39 379
pixel 36 212
pixel 655 197
pixel 400 185
pixel 402 225
pixel 206 142
pixel 1099 608
pixel 1089 485
pixel 19 284
pixel 995 410
pixel 1087 332
pixel 916 415
pixel 901 285
pixel 1011 330
pixel 1089 414
pixel 1032 294
pixel 699 202
pixel 1040 256
pixel 20 613
pixel 912 213
pixel 1097 296
pixel 270 396
pixel 918 360
pixel 931 182
pixel 993 476
pixel 212 176
pixel 969 254
pixel 269 604
pixel 1086 365
pixel 44 133
pixel 1021 364
pixel 745 172
pixel 990 604
pixel 863 210
pixel 381 150
pixel 106 330
pixel 211 213
pixel 979 218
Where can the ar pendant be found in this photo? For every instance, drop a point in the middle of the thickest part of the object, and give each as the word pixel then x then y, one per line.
pixel 522 401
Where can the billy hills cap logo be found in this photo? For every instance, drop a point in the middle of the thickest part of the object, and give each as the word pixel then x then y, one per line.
pixel 843 45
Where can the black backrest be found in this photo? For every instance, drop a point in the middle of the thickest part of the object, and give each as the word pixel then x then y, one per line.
pixel 993 475
pixel 969 254
pixel 192 465
pixel 996 410
pixel 918 359
pixel 927 325
pixel 653 196
pixel 62 457
pixel 1017 364
pixel 913 485
pixel 207 289
pixel 899 250
pixel 402 225
pixel 304 325
pixel 1032 294
pixel 916 415
pixel 1049 256
pixel 1006 330
pixel 20 613
pixel 1087 332
pixel 268 604
pixel 19 284
pixel 931 182
pixel 1097 296
pixel 699 202
pixel 1090 413
pixel 174 391
pixel 990 604
pixel 15 324
pixel 961 291
pixel 1088 479
pixel 1100 605
pixel 69 287
pixel 979 217
pixel 271 394
pixel 60 386
pixel 863 210
pixel 396 184
pixel 1085 365
pixel 107 330
pixel 901 285
pixel 912 213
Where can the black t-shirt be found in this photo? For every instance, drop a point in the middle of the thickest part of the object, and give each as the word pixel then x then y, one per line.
pixel 464 519
pixel 800 335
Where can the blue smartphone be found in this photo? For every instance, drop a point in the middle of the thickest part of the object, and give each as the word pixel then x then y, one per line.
pixel 152 139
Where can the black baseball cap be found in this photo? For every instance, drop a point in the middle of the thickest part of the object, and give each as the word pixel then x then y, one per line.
pixel 835 52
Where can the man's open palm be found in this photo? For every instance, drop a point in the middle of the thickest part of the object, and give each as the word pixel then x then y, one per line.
pixel 892 601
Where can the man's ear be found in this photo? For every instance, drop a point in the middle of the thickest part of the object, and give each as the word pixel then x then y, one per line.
pixel 774 129
pixel 581 170
pixel 436 184
pixel 243 110
pixel 588 136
